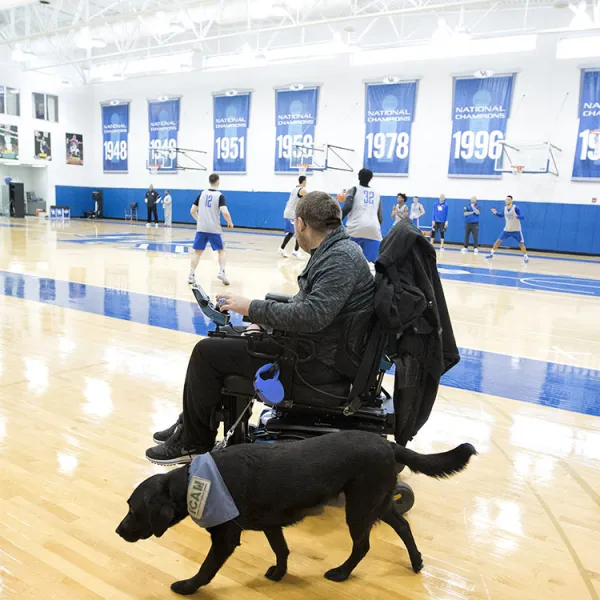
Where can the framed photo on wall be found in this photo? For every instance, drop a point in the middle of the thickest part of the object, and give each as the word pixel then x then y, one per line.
pixel 74 148
pixel 9 141
pixel 43 145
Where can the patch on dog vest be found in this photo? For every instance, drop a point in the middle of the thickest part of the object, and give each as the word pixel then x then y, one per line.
pixel 209 502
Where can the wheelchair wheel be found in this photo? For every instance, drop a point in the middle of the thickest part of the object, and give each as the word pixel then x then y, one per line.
pixel 404 497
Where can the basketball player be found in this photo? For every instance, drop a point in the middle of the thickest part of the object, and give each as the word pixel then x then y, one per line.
pixel 289 216
pixel 400 210
pixel 416 210
pixel 363 209
pixel 471 213
pixel 440 221
pixel 152 201
pixel 512 227
pixel 207 211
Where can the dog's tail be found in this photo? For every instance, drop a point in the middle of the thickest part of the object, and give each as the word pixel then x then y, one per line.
pixel 440 465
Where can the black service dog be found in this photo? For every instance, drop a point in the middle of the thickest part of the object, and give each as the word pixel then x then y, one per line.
pixel 276 485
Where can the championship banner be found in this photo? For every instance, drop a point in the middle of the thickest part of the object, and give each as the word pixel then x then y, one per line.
pixel 9 142
pixel 115 136
pixel 295 120
pixel 74 147
pixel 480 114
pixel 163 126
pixel 42 145
pixel 231 117
pixel 388 117
pixel 586 165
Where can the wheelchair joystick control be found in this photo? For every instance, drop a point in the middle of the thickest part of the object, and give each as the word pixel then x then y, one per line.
pixel 220 319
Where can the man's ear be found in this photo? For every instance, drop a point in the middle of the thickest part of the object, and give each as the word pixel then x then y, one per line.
pixel 300 224
pixel 161 515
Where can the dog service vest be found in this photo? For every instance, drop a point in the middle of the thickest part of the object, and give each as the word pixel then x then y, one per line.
pixel 209 502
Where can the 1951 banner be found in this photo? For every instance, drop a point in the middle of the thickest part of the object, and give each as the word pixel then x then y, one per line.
pixel 163 128
pixel 231 117
pixel 480 114
pixel 295 122
pixel 115 136
pixel 586 165
pixel 389 116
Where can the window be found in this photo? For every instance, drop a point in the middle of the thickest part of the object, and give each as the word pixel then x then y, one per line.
pixel 9 101
pixel 45 107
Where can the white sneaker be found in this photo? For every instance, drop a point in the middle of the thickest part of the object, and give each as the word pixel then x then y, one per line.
pixel 296 254
pixel 223 278
pixel 192 279
pixel 476 251
pixel 464 251
pixel 283 253
pixel 147 224
pixel 156 225
pixel 441 248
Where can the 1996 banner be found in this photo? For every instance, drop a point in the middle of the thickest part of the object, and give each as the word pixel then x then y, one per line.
pixel 480 114
pixel 115 136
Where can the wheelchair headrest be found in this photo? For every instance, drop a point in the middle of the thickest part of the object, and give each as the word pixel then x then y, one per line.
pixel 267 385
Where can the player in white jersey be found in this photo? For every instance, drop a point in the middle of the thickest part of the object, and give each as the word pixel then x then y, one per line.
pixel 207 211
pixel 400 210
pixel 512 227
pixel 289 216
pixel 362 206
pixel 416 210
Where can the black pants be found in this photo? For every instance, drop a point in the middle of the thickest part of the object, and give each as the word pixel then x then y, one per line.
pixel 211 361
pixel 152 210
pixel 472 228
pixel 438 227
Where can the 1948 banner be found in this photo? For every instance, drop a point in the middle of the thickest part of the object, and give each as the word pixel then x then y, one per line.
pixel 115 136
pixel 480 114
pixel 389 116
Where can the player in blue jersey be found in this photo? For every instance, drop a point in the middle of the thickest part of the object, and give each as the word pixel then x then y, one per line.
pixel 512 227
pixel 439 221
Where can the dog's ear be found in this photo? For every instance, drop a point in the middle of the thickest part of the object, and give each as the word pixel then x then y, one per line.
pixel 161 515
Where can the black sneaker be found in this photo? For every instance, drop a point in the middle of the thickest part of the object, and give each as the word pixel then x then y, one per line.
pixel 172 452
pixel 160 437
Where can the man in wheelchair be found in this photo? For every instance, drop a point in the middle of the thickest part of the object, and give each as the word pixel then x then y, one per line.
pixel 331 316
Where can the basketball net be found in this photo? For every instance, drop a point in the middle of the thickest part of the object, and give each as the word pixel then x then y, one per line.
pixel 302 168
pixel 153 169
pixel 517 169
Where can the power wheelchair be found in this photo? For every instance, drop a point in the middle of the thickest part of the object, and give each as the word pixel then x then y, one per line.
pixel 304 411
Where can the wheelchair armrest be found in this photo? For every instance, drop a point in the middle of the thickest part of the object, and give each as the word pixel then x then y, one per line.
pixel 277 297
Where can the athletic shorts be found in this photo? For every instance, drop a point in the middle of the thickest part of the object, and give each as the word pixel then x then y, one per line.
pixel 515 235
pixel 214 239
pixel 441 227
pixel 370 248
pixel 289 226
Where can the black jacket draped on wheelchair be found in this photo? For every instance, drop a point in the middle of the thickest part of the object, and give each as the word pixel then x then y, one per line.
pixel 408 330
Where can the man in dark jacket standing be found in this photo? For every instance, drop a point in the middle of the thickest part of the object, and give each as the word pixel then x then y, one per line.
pixel 331 312
pixel 152 200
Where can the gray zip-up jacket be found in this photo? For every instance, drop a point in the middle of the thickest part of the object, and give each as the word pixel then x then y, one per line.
pixel 334 305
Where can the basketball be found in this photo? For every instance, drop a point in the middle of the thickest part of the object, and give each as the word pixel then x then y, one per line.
pixel 341 197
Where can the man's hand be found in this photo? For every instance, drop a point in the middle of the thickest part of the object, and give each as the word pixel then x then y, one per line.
pixel 237 304
pixel 230 224
pixel 494 211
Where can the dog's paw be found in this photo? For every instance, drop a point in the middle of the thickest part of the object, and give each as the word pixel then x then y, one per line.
pixel 184 588
pixel 275 573
pixel 417 563
pixel 338 575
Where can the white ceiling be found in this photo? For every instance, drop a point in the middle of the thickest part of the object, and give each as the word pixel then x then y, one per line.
pixel 189 34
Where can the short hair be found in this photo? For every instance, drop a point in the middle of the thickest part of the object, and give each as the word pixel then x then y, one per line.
pixel 365 176
pixel 213 178
pixel 302 179
pixel 417 197
pixel 402 195
pixel 320 211
pixel 166 191
pixel 509 196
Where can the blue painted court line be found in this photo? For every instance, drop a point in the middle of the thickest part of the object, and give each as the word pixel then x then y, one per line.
pixel 517 254
pixel 538 382
pixel 521 280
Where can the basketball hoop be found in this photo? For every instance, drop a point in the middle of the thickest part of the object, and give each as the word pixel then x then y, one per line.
pixel 302 168
pixel 517 169
pixel 153 169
